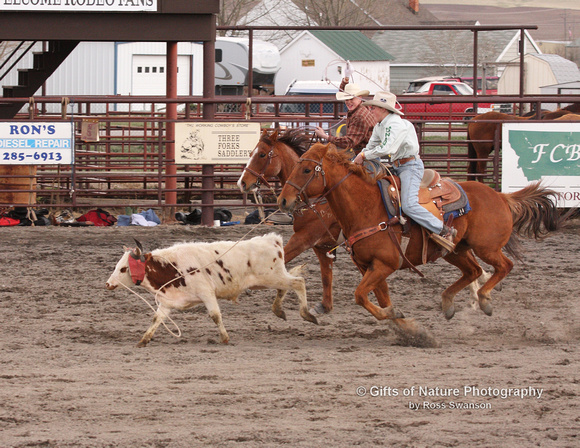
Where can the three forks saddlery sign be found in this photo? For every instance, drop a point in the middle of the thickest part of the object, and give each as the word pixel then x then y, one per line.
pixel 215 143
pixel 33 143
pixel 550 153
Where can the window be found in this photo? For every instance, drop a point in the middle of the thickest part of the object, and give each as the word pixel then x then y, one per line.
pixel 146 69
pixel 463 89
pixel 161 69
pixel 139 69
pixel 154 69
pixel 441 89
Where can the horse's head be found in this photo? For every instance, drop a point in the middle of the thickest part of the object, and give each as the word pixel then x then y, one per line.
pixel 264 163
pixel 307 178
pixel 274 156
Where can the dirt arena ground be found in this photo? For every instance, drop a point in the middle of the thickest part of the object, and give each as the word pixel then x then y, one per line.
pixel 71 376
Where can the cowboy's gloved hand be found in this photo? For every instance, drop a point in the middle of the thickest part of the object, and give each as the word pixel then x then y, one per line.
pixel 320 133
pixel 348 70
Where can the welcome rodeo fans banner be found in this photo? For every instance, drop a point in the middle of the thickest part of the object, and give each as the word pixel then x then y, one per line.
pixel 79 5
pixel 550 153
pixel 27 143
pixel 215 143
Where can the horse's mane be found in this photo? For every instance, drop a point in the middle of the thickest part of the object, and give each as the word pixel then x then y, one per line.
pixel 296 139
pixel 340 158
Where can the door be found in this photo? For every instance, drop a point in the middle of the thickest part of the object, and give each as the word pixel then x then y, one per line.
pixel 149 75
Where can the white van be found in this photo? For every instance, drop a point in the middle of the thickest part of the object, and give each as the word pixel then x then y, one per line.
pixel 309 88
pixel 306 89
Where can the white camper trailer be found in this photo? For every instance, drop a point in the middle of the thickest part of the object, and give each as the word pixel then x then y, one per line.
pixel 231 68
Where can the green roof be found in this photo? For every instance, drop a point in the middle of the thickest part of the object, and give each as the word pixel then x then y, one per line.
pixel 352 45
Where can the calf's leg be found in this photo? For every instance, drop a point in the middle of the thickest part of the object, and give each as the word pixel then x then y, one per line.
pixel 160 315
pixel 213 309
pixel 284 280
pixel 277 305
pixel 298 285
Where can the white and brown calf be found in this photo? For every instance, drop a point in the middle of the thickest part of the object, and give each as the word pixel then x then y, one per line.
pixel 187 274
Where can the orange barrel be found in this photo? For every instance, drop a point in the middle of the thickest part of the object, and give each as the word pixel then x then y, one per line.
pixel 15 185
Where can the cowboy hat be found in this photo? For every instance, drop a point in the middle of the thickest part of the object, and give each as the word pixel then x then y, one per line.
pixel 350 91
pixel 386 100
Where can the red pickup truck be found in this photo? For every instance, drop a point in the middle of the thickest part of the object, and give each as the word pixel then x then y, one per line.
pixel 490 83
pixel 440 108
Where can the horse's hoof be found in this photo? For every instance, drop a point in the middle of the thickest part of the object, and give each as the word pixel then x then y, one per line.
pixel 142 343
pixel 393 313
pixel 486 307
pixel 449 312
pixel 318 309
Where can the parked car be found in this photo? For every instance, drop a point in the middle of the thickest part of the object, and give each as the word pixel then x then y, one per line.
pixel 490 83
pixel 430 109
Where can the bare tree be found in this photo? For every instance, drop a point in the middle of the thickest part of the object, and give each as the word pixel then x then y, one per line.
pixel 5 48
pixel 232 12
pixel 294 13
pixel 340 12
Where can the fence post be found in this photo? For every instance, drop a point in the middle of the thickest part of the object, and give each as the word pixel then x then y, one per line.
pixel 171 108
pixel 207 171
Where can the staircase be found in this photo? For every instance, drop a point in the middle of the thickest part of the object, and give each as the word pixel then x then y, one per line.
pixel 30 80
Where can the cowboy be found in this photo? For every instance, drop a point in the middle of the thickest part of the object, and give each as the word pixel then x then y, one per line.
pixel 359 120
pixel 397 138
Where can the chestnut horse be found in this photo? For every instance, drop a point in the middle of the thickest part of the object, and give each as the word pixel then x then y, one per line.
pixel 493 223
pixel 485 131
pixel 275 156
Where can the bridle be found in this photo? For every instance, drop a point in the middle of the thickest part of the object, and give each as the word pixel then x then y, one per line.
pixel 318 170
pixel 260 176
pixel 383 226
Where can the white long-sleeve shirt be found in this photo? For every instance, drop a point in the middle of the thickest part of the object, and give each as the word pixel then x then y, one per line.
pixel 393 137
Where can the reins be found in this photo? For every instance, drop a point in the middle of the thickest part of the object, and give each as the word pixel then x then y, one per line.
pixel 261 178
pixel 365 233
pixel 302 196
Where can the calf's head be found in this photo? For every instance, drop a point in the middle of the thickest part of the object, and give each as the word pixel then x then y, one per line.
pixel 130 269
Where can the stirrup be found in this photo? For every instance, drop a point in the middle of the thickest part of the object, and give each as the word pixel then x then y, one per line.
pixel 443 242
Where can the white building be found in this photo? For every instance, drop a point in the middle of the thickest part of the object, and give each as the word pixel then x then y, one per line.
pixel 322 55
pixel 139 69
pixel 539 70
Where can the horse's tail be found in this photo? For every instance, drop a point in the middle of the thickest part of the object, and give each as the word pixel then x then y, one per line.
pixel 534 211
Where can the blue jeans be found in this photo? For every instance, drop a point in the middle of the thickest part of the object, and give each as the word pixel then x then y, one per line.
pixel 411 174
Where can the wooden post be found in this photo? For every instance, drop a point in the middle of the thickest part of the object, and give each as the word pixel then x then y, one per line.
pixel 171 113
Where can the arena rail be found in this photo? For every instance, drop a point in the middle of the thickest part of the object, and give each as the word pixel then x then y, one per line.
pixel 125 168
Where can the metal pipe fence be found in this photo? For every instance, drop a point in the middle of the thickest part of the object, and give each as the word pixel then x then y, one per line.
pixel 126 167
